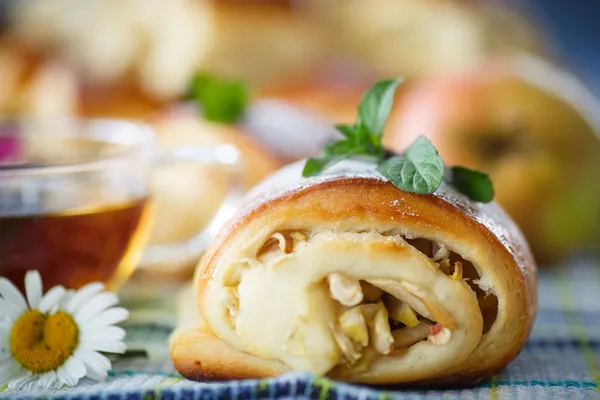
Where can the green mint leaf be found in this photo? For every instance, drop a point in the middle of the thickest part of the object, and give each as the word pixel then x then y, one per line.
pixel 362 135
pixel 375 107
pixel 420 170
pixel 421 150
pixel 314 166
pixel 221 100
pixel 333 153
pixel 349 131
pixel 359 135
pixel 341 148
pixel 476 185
pixel 363 138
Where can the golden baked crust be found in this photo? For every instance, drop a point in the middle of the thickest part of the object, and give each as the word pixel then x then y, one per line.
pixel 199 355
pixel 352 204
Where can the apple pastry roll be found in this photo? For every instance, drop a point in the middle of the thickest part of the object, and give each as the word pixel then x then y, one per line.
pixel 345 275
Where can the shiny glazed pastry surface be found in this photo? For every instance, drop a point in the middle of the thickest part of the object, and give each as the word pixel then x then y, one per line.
pixel 347 276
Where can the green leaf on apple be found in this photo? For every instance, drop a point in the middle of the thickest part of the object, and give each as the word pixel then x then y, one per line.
pixel 221 100
pixel 474 184
pixel 420 170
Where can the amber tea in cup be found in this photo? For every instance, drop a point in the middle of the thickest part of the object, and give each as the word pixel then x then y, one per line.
pixel 74 200
pixel 75 247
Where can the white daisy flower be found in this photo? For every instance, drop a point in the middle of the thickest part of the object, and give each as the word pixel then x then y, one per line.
pixel 57 339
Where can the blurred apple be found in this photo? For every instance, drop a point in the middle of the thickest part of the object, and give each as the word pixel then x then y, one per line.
pixel 531 126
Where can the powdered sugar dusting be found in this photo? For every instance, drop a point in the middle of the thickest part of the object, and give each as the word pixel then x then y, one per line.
pixel 289 179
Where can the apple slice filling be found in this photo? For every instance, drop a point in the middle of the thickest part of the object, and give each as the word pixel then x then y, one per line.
pixel 343 320
pixel 458 268
pixel 385 318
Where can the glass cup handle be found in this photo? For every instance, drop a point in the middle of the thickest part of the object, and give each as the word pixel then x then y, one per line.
pixel 225 155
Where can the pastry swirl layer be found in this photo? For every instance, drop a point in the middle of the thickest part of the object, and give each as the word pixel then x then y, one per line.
pixel 347 276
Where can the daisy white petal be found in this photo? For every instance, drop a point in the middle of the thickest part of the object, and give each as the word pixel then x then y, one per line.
pixel 20 381
pixel 108 346
pixel 11 294
pixel 48 380
pixel 97 374
pixel 51 298
pixel 4 340
pixel 7 367
pixel 66 300
pixel 97 360
pixel 109 317
pixel 106 333
pixel 10 310
pixel 9 370
pixel 97 304
pixel 65 377
pixel 75 367
pixel 82 296
pixel 30 384
pixel 5 324
pixel 33 288
pixel 7 362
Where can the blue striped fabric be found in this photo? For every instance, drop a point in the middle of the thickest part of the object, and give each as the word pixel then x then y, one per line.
pixel 561 360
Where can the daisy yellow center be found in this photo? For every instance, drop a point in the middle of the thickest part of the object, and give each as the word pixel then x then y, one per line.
pixel 43 343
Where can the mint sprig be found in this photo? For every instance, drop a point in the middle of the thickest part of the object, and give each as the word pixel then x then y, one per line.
pixel 332 154
pixel 419 170
pixel 476 185
pixel 375 107
pixel 363 138
pixel 220 99
pixel 349 131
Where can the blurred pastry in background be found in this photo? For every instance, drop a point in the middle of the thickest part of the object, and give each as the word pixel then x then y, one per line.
pixel 420 37
pixel 533 127
pixel 136 56
pixel 263 41
pixel 158 44
pixel 33 86
pixel 117 100
pixel 131 57
pixel 184 185
pixel 188 195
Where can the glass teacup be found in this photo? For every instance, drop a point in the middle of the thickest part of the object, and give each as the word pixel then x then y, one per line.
pixel 75 202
